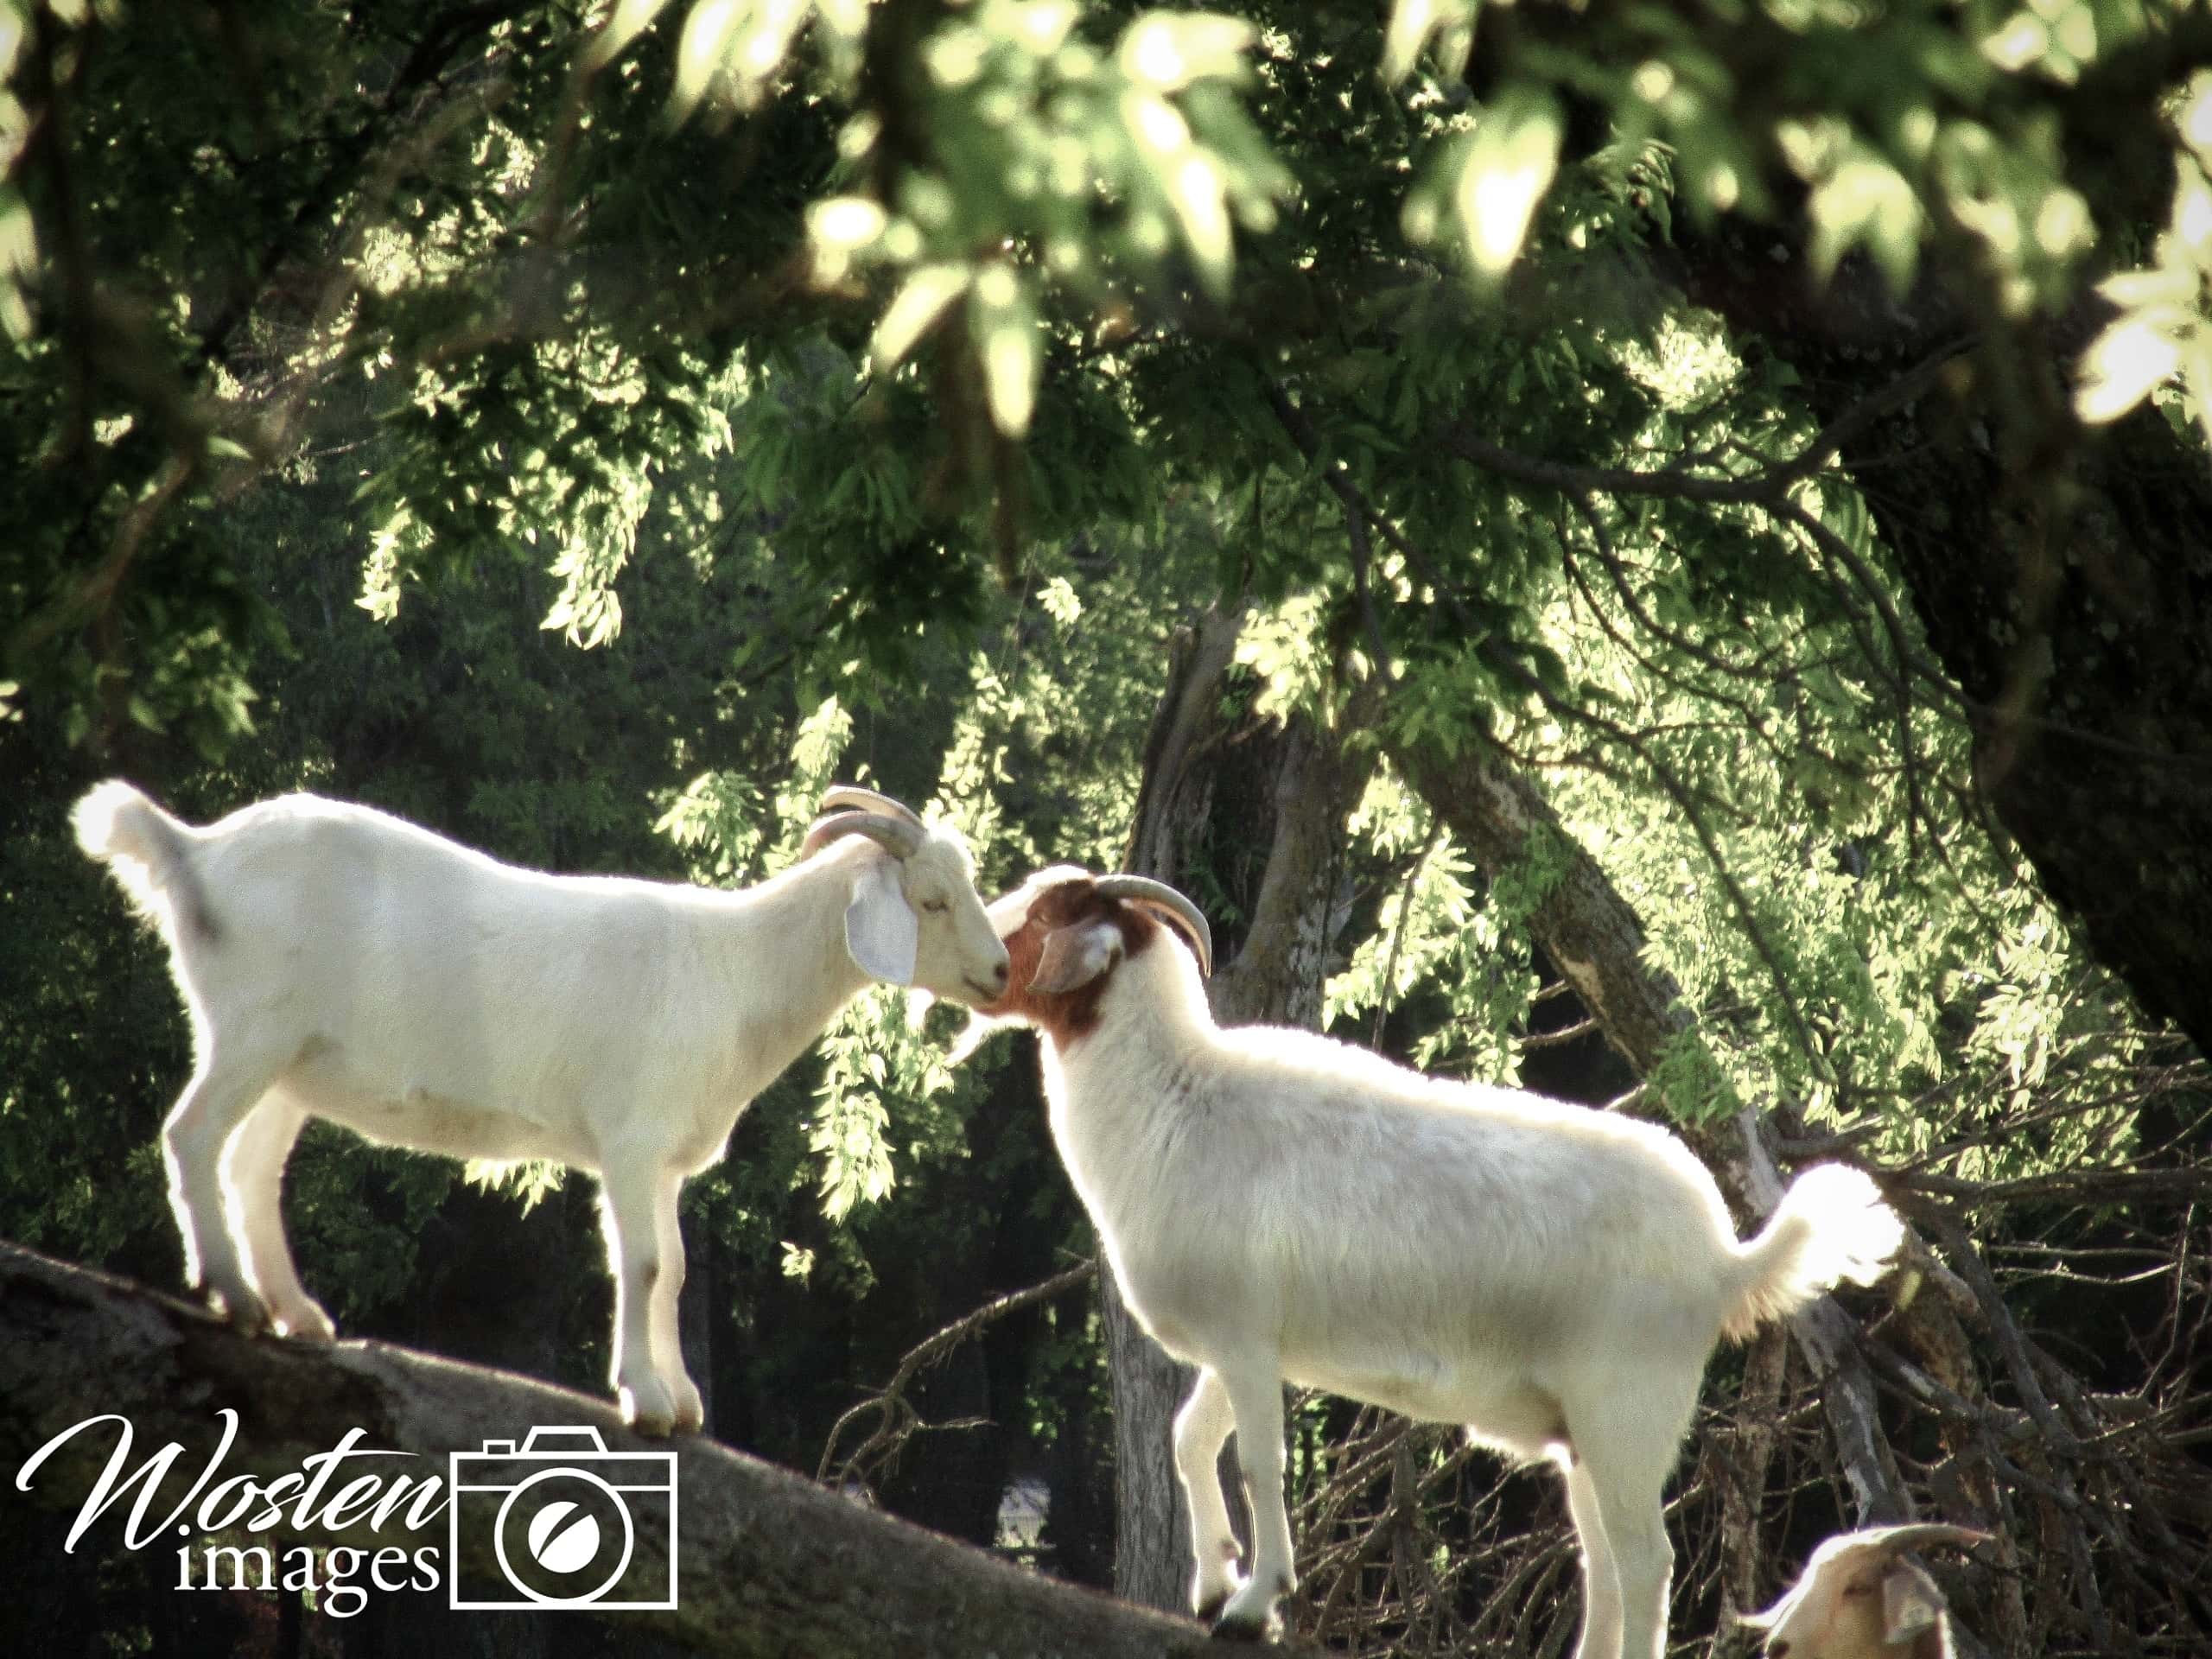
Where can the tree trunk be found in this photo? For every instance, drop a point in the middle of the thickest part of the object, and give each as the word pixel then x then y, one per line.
pixel 1151 1525
pixel 1288 790
pixel 2064 579
pixel 765 1563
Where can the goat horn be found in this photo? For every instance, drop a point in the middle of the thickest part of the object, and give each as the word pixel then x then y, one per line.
pixel 895 836
pixel 1157 895
pixel 868 800
pixel 1921 1535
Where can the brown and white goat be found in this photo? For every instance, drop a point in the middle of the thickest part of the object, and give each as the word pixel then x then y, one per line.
pixel 1276 1205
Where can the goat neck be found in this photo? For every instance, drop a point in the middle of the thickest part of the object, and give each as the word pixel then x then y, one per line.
pixel 1118 1091
pixel 778 967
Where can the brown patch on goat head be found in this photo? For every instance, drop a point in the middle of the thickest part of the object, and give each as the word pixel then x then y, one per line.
pixel 1065 909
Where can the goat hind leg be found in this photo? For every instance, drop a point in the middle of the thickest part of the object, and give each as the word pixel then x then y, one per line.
pixel 200 1129
pixel 1636 1529
pixel 253 1186
pixel 667 1294
pixel 1601 1584
pixel 1627 1475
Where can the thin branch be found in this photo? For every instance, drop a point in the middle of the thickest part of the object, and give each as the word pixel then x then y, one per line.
pixel 895 1419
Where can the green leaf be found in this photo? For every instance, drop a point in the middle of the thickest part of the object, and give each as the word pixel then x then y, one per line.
pixel 839 227
pixel 631 19
pixel 1508 167
pixel 764 42
pixel 1168 51
pixel 1004 320
pixel 2121 367
pixel 1867 199
pixel 699 53
pixel 918 306
pixel 1413 23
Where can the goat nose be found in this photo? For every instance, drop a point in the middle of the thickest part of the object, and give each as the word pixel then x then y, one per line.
pixel 999 976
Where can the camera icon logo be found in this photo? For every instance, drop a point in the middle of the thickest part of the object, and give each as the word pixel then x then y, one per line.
pixel 561 1516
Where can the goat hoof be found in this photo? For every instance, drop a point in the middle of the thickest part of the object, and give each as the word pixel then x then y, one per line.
pixel 245 1312
pixel 647 1409
pixel 690 1409
pixel 1211 1603
pixel 306 1323
pixel 1226 1629
pixel 1249 1616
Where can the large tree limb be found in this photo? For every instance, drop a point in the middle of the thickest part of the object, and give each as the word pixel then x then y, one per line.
pixel 767 1563
pixel 2055 571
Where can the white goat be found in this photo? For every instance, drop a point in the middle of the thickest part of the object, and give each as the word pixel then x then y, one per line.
pixel 341 964
pixel 1859 1598
pixel 1278 1205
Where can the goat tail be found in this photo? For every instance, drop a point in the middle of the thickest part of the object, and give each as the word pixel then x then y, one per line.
pixel 148 852
pixel 1832 1224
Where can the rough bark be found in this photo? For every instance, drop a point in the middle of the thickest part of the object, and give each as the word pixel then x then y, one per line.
pixel 1293 801
pixel 767 1563
pixel 2064 579
pixel 1152 1528
pixel 1592 936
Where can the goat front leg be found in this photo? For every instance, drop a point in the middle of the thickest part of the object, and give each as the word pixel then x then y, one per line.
pixel 668 1291
pixel 633 1193
pixel 253 1194
pixel 200 1129
pixel 1201 1427
pixel 1255 1396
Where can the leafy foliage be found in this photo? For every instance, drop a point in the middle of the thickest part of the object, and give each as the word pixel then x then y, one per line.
pixel 876 391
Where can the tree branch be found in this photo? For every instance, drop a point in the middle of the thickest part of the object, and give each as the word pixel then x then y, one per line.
pixel 894 1418
pixel 767 1562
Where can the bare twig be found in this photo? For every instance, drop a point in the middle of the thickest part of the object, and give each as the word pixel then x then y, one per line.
pixel 894 1418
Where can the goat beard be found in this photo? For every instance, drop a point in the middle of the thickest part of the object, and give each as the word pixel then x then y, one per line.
pixel 980 1028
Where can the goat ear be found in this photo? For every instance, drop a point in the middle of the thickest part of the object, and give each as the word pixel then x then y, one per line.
pixel 881 933
pixel 1073 957
pixel 1910 1603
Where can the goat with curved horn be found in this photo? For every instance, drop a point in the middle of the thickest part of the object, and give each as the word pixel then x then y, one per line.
pixel 843 795
pixel 898 836
pixel 1175 907
pixel 1277 1205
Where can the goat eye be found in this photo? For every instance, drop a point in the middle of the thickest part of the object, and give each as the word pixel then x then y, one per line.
pixel 936 906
